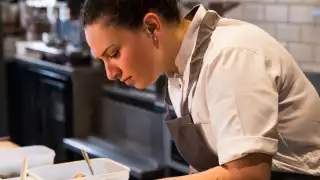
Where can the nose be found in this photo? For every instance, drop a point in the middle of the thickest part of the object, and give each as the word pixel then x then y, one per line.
pixel 112 71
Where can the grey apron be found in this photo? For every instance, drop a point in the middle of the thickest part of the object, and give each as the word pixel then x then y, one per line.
pixel 187 136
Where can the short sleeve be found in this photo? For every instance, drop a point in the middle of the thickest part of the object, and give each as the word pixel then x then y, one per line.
pixel 242 100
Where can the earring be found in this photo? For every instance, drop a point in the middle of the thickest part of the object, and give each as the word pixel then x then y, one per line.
pixel 152 35
pixel 154 38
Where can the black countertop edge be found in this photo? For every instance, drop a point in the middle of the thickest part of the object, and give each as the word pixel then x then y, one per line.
pixel 52 66
pixel 42 47
pixel 139 167
pixel 43 64
pixel 42 70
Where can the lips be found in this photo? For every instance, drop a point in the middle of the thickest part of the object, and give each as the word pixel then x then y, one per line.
pixel 127 80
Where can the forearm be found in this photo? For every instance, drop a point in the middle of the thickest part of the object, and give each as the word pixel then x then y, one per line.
pixel 217 173
pixel 224 173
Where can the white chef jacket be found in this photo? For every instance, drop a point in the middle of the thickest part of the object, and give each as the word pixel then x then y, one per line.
pixel 251 97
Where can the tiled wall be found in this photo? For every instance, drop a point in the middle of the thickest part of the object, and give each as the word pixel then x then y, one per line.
pixel 289 21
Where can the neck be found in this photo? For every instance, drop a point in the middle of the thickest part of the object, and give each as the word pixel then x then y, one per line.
pixel 174 44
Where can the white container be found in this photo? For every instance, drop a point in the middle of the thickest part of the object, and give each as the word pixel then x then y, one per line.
pixel 18 178
pixel 102 167
pixel 11 160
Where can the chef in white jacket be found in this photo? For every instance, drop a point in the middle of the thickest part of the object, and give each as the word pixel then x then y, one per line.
pixel 245 109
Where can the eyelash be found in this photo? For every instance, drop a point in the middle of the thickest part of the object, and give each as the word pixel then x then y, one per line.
pixel 114 55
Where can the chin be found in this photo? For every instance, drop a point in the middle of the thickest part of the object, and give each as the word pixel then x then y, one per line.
pixel 142 85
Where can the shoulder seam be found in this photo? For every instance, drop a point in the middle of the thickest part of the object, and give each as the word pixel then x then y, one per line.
pixel 245 49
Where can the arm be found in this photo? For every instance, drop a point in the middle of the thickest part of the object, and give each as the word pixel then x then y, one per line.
pixel 251 167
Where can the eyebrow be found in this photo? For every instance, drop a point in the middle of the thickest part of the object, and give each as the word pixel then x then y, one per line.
pixel 105 50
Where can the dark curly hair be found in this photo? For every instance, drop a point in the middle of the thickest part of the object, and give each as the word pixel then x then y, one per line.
pixel 128 13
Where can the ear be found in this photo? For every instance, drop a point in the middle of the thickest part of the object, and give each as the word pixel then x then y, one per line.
pixel 151 24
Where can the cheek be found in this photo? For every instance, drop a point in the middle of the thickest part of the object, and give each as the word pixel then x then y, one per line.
pixel 128 58
pixel 136 58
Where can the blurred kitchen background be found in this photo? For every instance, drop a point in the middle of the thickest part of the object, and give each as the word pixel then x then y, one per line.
pixel 53 93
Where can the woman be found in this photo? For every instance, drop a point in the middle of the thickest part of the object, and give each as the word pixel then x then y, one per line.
pixel 244 106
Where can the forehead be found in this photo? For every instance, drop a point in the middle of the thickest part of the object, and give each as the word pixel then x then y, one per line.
pixel 99 37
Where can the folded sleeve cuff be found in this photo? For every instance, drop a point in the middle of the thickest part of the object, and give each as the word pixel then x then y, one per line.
pixel 235 148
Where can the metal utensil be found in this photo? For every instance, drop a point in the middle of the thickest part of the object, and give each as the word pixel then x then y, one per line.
pixel 86 157
pixel 23 175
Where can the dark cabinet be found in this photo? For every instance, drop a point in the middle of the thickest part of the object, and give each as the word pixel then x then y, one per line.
pixel 49 102
pixel 54 100
pixel 22 103
pixel 39 107
pixel 3 106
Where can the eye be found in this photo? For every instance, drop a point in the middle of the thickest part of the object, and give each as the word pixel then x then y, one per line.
pixel 115 55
